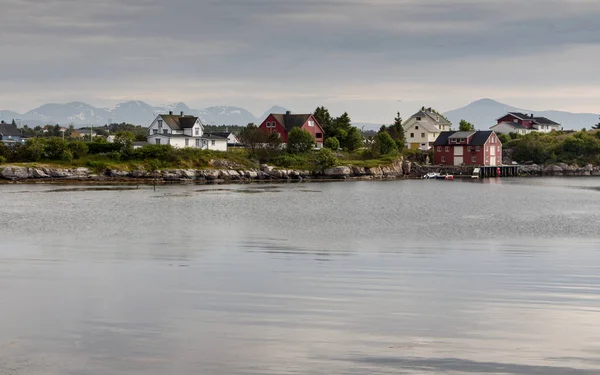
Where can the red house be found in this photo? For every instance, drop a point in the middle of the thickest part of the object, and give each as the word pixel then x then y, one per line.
pixel 283 123
pixel 468 148
pixel 516 122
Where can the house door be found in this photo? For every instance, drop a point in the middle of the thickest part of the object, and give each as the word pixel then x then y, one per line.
pixel 493 155
pixel 458 155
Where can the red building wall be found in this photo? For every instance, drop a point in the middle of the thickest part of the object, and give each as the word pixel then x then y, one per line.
pixel 510 118
pixel 482 157
pixel 278 128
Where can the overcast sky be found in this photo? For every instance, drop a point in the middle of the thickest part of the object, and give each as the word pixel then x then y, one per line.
pixel 368 57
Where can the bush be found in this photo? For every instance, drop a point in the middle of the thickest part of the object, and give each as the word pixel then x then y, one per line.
pixel 332 143
pixel 384 144
pixel 326 159
pixel 115 155
pixel 291 161
pixel 2 159
pixel 78 148
pixel 97 165
pixel 33 150
pixel 300 141
pixel 56 147
pixel 66 155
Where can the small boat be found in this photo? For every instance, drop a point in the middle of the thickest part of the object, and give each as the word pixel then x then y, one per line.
pixel 449 177
pixel 431 175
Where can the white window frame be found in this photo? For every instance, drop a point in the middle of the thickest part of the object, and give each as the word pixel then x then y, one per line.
pixel 213 142
pixel 443 159
pixel 447 149
pixel 473 159
pixel 311 123
pixel 439 148
pixel 187 142
pixel 197 142
pixel 477 148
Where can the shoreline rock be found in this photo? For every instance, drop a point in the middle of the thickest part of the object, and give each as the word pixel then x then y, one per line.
pixel 400 169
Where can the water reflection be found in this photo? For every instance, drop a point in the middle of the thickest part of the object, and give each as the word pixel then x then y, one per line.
pixel 398 277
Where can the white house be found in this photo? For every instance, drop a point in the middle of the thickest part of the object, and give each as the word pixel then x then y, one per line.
pixel 506 127
pixel 423 128
pixel 183 131
pixel 232 139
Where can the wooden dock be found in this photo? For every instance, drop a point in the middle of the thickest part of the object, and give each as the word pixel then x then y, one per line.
pixel 498 171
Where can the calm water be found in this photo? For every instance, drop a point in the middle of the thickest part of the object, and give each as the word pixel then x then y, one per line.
pixel 402 277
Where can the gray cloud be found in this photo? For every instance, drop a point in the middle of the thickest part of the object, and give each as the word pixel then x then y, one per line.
pixel 255 51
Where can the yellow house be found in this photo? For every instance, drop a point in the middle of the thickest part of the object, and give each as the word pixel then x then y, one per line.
pixel 423 128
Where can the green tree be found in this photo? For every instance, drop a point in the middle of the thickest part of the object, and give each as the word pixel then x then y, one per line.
pixel 384 144
pixel 56 148
pixel 354 139
pixel 124 141
pixel 300 141
pixel 14 123
pixel 597 126
pixel 503 138
pixel 33 150
pixel 78 149
pixel 465 126
pixel 324 119
pixel 252 137
pixel 396 131
pixel 326 159
pixel 332 143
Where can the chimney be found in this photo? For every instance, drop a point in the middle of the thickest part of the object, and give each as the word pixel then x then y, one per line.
pixel 181 113
pixel 531 115
pixel 429 109
pixel 170 112
pixel 288 112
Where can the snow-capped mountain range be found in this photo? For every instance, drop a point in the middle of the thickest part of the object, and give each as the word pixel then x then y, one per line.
pixel 132 112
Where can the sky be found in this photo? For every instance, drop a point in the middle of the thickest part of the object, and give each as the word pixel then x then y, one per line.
pixel 370 58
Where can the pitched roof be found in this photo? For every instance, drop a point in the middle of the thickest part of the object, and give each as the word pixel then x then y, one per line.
pixel 462 134
pixel 426 126
pixel 213 136
pixel 290 121
pixel 519 115
pixel 511 124
pixel 179 122
pixel 433 116
pixel 478 138
pixel 9 130
pixel 545 121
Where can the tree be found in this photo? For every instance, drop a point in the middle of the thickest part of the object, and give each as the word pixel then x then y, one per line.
pixel 323 118
pixel 78 148
pixel 56 148
pixel 396 131
pixel 354 139
pixel 252 136
pixel 332 143
pixel 124 140
pixel 14 123
pixel 300 141
pixel 385 144
pixel 466 126
pixel 597 126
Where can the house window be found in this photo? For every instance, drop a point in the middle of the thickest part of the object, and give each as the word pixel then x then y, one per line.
pixel 473 159
pixel 187 142
pixel 439 148
pixel 169 141
pixel 437 118
pixel 422 135
pixel 166 131
pixel 311 123
pixel 196 131
pixel 154 131
pixel 197 143
pixel 468 148
pixel 447 148
pixel 515 120
pixel 418 118
pixel 417 127
pixel 478 148
pixel 212 142
pixel 443 159
pixel 412 135
pixel 157 140
pixel 319 135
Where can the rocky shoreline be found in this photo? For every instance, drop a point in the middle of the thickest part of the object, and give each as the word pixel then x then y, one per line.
pixel 400 169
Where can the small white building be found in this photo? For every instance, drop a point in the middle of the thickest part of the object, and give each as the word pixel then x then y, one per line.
pixel 183 131
pixel 422 129
pixel 506 127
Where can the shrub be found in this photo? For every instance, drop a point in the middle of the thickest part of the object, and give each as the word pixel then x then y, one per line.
pixel 332 143
pixel 385 144
pixel 56 147
pixel 326 159
pixel 300 141
pixel 78 148
pixel 2 159
pixel 33 150
pixel 115 155
pixel 97 165
pixel 66 155
pixel 291 161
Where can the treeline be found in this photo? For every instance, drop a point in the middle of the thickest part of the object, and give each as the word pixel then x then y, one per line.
pixel 580 148
pixel 140 133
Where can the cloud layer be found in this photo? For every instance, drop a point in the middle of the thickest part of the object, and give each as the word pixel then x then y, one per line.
pixel 356 55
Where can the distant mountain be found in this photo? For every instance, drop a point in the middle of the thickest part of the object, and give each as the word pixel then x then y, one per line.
pixel 8 116
pixel 224 115
pixel 68 113
pixel 273 109
pixel 483 114
pixel 134 111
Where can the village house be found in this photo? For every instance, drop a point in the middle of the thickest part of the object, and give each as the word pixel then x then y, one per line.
pixel 281 124
pixel 520 123
pixel 9 133
pixel 468 148
pixel 183 131
pixel 232 139
pixel 422 129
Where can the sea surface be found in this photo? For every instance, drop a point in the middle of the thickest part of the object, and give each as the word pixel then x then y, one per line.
pixel 398 277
